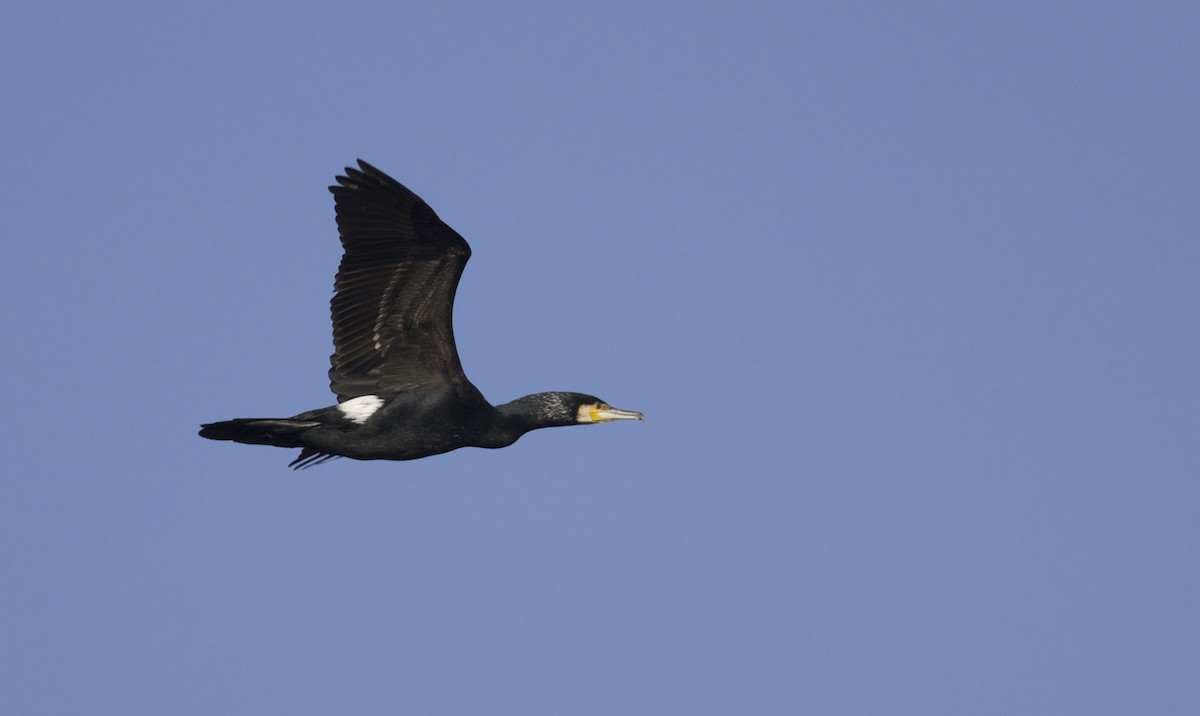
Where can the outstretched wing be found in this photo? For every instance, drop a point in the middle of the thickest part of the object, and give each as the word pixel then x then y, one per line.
pixel 393 327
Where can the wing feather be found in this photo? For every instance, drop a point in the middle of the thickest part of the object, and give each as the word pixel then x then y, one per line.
pixel 392 312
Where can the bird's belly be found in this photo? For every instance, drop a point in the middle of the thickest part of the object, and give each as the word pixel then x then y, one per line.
pixel 395 437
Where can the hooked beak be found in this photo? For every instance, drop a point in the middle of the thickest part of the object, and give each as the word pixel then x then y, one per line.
pixel 602 414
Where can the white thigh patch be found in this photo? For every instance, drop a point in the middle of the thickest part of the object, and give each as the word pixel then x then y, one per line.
pixel 358 409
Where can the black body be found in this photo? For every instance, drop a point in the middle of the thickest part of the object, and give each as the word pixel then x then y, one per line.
pixel 401 390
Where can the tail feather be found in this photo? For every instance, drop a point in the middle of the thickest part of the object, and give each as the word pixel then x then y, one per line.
pixel 280 432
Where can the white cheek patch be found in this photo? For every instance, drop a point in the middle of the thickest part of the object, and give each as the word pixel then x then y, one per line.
pixel 357 410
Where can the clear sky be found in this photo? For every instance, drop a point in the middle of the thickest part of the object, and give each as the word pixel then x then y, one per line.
pixel 908 296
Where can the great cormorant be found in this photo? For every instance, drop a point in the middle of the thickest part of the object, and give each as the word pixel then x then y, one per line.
pixel 400 387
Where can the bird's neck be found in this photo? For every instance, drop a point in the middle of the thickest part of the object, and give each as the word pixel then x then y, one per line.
pixel 540 410
pixel 531 412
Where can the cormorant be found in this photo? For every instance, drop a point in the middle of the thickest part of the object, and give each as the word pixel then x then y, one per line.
pixel 401 390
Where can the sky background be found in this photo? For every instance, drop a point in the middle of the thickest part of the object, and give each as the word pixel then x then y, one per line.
pixel 908 295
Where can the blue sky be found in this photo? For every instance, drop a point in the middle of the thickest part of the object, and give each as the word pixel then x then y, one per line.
pixel 907 294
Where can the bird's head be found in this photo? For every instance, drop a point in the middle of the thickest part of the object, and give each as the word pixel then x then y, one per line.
pixel 544 410
pixel 590 409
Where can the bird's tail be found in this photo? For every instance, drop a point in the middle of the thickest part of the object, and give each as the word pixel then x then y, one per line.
pixel 280 432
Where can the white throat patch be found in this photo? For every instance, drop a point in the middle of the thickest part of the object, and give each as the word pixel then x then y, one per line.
pixel 357 410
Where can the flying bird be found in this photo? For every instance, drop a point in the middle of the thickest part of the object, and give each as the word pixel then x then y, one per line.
pixel 401 390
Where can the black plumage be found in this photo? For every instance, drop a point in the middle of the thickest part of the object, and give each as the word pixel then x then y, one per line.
pixel 401 390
